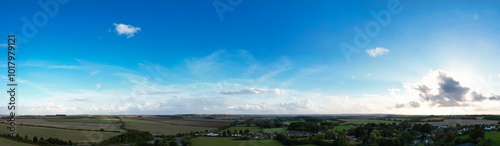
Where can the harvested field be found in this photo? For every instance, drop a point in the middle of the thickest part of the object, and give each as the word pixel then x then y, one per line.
pixel 73 135
pixel 70 125
pixel 215 123
pixel 453 122
pixel 158 128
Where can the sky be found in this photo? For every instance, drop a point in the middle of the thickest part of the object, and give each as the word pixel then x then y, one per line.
pixel 414 57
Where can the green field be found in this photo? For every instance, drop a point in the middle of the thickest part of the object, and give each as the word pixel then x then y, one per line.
pixel 252 128
pixel 157 128
pixel 73 135
pixel 8 142
pixel 341 128
pixel 87 120
pixel 228 141
pixel 272 130
pixel 493 135
pixel 364 121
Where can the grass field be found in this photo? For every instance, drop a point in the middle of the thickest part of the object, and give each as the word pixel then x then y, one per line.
pixel 364 121
pixel 453 122
pixel 494 135
pixel 70 125
pixel 73 135
pixel 252 128
pixel 228 141
pixel 341 128
pixel 8 142
pixel 87 120
pixel 158 128
pixel 272 130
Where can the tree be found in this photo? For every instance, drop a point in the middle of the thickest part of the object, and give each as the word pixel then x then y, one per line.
pixel 476 133
pixel 35 139
pixel 241 131
pixel 407 136
pixel 224 134
pixel 173 143
pixel 341 140
pixel 247 131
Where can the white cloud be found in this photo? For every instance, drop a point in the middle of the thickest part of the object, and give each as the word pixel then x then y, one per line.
pixel 82 99
pixel 393 91
pixel 97 86
pixel 499 75
pixel 399 105
pixel 125 29
pixel 377 51
pixel 253 91
pixel 94 73
pixel 414 104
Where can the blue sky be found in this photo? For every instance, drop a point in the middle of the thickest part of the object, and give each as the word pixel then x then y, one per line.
pixel 178 57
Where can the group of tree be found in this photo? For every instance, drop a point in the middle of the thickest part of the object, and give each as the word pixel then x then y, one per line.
pixel 40 141
pixel 269 124
pixel 327 139
pixel 131 136
pixel 304 126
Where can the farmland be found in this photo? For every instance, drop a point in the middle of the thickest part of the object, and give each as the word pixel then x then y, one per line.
pixel 494 135
pixel 73 135
pixel 158 128
pixel 196 122
pixel 8 142
pixel 71 124
pixel 364 121
pixel 273 130
pixel 453 122
pixel 228 141
pixel 243 127
pixel 87 120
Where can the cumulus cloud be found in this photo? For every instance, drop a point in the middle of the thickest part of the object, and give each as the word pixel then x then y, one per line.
pixel 393 91
pixel 495 97
pixel 414 104
pixel 477 97
pixel 253 91
pixel 298 106
pixel 377 51
pixel 450 92
pixel 399 105
pixel 124 29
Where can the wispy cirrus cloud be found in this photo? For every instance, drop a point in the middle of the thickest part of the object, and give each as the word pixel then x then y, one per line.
pixel 253 91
